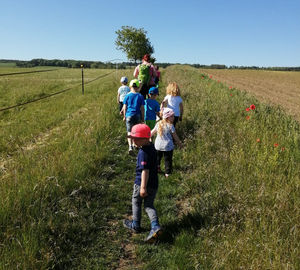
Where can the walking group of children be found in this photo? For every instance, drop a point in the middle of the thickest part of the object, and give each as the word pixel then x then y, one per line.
pixel 136 110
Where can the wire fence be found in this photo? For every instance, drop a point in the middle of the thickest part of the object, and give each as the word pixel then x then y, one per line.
pixel 27 72
pixel 54 94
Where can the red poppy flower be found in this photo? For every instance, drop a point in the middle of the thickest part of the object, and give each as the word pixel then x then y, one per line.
pixel 210 76
pixel 252 107
pixel 231 95
pixel 247 109
pixel 230 87
pixel 276 144
pixel 247 117
pixel 257 140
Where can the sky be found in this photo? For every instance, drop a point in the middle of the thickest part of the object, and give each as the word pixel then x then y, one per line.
pixel 261 33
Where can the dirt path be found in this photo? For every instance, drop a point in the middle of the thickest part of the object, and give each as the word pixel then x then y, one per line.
pixel 40 141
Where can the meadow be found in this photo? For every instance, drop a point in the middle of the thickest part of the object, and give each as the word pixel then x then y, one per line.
pixel 66 178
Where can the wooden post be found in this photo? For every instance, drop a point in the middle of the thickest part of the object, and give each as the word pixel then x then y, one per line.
pixel 82 81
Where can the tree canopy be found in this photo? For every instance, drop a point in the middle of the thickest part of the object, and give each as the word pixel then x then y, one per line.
pixel 133 42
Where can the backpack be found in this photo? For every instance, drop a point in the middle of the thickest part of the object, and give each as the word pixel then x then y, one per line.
pixel 144 74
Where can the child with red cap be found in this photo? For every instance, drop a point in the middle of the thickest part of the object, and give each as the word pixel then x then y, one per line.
pixel 145 184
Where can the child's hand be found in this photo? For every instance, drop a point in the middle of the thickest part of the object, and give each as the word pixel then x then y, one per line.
pixel 143 192
pixel 124 118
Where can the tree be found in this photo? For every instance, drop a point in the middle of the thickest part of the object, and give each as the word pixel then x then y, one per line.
pixel 133 42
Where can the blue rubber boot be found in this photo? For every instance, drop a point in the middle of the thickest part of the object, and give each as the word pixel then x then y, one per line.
pixel 132 225
pixel 155 232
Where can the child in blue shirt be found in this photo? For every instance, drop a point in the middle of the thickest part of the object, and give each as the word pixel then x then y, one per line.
pixel 152 107
pixel 133 109
pixel 145 184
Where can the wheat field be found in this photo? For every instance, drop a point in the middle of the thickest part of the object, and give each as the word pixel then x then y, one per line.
pixel 276 87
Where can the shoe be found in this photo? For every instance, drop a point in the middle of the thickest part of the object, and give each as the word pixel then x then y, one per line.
pixel 167 175
pixel 129 225
pixel 130 150
pixel 154 234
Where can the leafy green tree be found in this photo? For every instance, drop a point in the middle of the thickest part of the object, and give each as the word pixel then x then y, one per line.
pixel 133 42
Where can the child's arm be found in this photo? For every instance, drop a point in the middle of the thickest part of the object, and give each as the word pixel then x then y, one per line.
pixel 176 139
pixel 181 111
pixel 164 103
pixel 153 131
pixel 144 181
pixel 118 97
pixel 123 111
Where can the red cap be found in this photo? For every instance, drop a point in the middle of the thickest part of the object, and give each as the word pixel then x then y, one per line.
pixel 140 131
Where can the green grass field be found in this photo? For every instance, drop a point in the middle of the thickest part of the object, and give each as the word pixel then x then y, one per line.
pixel 66 179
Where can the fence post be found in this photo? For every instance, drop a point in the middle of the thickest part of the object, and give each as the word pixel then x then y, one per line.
pixel 82 81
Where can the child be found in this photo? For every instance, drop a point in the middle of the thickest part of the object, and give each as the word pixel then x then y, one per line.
pixel 145 184
pixel 133 109
pixel 164 141
pixel 122 92
pixel 174 101
pixel 152 107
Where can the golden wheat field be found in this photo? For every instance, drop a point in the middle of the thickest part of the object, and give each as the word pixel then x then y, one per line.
pixel 276 87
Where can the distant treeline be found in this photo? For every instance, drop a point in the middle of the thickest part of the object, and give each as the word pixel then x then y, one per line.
pixel 124 65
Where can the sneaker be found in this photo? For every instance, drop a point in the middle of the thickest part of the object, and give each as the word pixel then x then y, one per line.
pixel 130 150
pixel 129 225
pixel 167 175
pixel 154 234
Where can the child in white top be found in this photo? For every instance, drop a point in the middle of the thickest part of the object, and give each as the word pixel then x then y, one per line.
pixel 173 101
pixel 164 144
pixel 122 92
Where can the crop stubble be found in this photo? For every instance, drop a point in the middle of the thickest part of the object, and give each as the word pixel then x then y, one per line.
pixel 275 87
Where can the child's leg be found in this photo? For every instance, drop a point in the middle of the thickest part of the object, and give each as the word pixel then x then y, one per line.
pixel 168 161
pixel 159 157
pixel 149 206
pixel 120 105
pixel 136 205
pixel 176 118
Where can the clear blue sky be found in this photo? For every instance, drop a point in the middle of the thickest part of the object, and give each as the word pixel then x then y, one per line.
pixel 230 32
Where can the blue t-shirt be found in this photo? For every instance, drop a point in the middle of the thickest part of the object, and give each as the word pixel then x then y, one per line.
pixel 134 101
pixel 151 108
pixel 147 160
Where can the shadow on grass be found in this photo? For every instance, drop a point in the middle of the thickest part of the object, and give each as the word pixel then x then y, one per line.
pixel 190 222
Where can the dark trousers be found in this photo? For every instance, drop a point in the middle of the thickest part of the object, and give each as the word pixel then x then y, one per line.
pixel 168 156
pixel 176 118
pixel 144 90
pixel 120 105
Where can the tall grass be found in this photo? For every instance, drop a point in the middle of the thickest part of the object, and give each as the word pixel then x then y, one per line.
pixel 232 202
pixel 238 183
pixel 55 196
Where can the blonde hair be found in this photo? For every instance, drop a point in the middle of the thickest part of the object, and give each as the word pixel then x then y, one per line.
pixel 173 89
pixel 162 125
